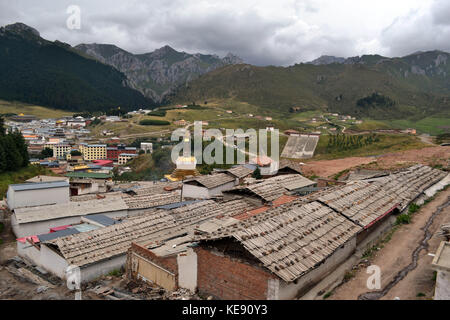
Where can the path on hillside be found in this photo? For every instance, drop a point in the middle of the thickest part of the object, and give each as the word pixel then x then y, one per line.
pixel 404 261
pixel 426 139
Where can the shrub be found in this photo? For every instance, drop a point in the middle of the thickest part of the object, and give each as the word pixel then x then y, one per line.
pixel 158 113
pixel 151 122
pixel 327 295
pixel 421 294
pixel 115 273
pixel 413 208
pixel 403 219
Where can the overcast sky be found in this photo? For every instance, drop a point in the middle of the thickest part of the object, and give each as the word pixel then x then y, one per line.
pixel 277 32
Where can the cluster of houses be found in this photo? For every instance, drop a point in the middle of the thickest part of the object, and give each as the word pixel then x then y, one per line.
pixel 226 235
pixel 74 152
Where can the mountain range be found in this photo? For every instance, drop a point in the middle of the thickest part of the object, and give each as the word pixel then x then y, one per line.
pixel 158 73
pixel 417 85
pixel 53 74
pixel 92 77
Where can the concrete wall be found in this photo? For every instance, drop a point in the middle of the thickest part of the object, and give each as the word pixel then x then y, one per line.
pixel 442 290
pixel 28 251
pixel 287 291
pixel 230 279
pixel 40 197
pixel 98 269
pixel 53 262
pixel 195 192
pixel 187 270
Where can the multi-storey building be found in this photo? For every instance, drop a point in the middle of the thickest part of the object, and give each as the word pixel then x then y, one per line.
pixel 93 151
pixel 61 150
pixel 113 153
pixel 125 157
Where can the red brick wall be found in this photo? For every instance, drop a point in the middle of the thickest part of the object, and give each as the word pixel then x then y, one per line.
pixel 230 279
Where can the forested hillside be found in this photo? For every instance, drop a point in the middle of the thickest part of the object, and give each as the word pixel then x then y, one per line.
pixel 37 71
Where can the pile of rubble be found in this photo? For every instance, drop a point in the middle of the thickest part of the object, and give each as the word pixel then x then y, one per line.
pixel 26 271
pixel 139 290
pixel 445 231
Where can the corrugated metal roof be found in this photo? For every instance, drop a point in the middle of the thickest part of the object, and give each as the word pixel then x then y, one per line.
pixel 57 234
pixel 71 209
pixel 39 185
pixel 102 219
pixel 85 227
pixel 91 175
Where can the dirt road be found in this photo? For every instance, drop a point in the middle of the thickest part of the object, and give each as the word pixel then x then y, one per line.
pixel 426 156
pixel 396 255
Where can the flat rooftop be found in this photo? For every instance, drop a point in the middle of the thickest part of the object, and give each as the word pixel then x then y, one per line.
pixel 39 185
pixel 442 259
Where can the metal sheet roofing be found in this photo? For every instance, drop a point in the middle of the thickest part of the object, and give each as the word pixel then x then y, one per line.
pixel 71 209
pixel 39 185
pixel 102 219
pixel 57 234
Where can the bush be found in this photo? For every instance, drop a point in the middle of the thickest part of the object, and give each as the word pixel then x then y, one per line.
pixel 403 219
pixel 413 208
pixel 158 113
pixel 257 174
pixel 151 122
pixel 116 273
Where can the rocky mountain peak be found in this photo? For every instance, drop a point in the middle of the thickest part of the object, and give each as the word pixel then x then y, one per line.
pixel 323 60
pixel 231 58
pixel 20 29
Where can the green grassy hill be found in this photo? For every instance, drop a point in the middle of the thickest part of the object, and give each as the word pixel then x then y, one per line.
pixel 418 85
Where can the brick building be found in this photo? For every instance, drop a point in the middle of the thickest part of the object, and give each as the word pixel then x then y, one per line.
pixel 113 153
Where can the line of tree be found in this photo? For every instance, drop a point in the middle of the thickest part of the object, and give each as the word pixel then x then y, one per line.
pixel 342 142
pixel 151 122
pixel 13 150
pixel 375 100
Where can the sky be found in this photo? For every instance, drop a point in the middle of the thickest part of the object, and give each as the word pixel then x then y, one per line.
pixel 262 32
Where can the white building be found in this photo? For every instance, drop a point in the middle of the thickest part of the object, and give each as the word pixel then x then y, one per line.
pixel 125 157
pixel 147 147
pixel 441 263
pixel 38 220
pixel 37 194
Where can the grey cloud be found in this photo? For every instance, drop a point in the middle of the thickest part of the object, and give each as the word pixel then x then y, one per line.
pixel 283 38
pixel 419 31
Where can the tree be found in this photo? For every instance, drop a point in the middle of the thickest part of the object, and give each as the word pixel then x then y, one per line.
pixel 257 174
pixel 75 153
pixel 21 147
pixel 2 127
pixel 47 153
